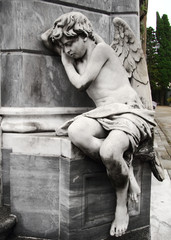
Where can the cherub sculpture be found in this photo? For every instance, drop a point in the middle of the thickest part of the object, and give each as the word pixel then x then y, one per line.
pixel 116 79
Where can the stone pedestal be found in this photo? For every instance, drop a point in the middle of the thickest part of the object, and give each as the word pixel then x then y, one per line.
pixel 57 192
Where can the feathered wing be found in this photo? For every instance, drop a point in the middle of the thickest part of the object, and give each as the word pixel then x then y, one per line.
pixel 130 53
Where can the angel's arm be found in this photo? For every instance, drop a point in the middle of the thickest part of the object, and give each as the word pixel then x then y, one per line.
pixel 99 57
pixel 48 42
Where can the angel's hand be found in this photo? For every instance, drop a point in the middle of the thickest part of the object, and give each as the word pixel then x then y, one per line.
pixel 47 40
pixel 46 35
pixel 66 60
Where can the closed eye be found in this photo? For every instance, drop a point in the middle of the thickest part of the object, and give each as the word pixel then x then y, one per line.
pixel 68 44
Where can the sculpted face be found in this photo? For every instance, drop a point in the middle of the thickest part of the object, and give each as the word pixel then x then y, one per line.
pixel 74 47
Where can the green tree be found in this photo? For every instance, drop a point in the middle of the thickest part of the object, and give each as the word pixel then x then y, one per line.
pixel 152 58
pixel 163 35
pixel 159 58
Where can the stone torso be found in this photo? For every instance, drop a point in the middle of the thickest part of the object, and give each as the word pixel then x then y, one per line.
pixel 111 84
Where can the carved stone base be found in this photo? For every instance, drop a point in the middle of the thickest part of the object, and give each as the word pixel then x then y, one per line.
pixel 66 195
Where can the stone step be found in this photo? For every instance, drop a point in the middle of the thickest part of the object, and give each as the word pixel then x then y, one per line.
pixel 7 222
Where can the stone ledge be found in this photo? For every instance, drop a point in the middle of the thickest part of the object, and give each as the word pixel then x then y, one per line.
pixel 57 145
pixel 33 144
pixel 33 119
pixel 41 111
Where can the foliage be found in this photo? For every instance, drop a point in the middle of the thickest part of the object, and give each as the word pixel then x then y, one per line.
pixel 169 100
pixel 152 58
pixel 159 56
pixel 163 34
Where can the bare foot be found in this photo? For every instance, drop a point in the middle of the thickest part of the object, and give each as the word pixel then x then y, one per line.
pixel 120 223
pixel 134 189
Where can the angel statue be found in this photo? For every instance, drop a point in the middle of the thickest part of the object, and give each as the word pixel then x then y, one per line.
pixel 116 79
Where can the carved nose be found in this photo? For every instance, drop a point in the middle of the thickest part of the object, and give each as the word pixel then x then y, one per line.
pixel 68 51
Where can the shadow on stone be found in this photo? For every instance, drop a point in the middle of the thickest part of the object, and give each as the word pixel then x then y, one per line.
pixel 7 222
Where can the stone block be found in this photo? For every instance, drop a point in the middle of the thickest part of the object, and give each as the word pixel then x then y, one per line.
pixel 88 199
pixel 85 188
pixel 125 6
pixel 45 13
pixel 103 6
pixel 32 80
pixel 26 34
pixel 33 144
pixel 68 149
pixel 11 34
pixel 69 192
pixel 96 5
pixel 6 176
pixel 35 195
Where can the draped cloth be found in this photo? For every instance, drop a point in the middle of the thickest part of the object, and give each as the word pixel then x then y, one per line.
pixel 135 121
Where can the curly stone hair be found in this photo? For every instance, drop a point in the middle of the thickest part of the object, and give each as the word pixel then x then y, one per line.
pixel 71 25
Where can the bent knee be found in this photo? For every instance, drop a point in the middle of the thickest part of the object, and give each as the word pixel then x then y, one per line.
pixel 105 153
pixel 73 130
pixel 77 133
pixel 110 153
pixel 74 133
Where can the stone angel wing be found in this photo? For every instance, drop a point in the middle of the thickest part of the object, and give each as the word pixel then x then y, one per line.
pixel 130 53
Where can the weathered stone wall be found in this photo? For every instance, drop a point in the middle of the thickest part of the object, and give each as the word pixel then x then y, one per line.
pixel 31 75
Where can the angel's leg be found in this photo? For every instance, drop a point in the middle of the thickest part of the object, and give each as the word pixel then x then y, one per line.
pixel 111 153
pixel 134 189
pixel 87 134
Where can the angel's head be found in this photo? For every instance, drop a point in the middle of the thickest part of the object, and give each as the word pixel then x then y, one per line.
pixel 71 25
pixel 70 33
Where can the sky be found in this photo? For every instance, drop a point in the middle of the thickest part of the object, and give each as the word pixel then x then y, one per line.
pixel 161 6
